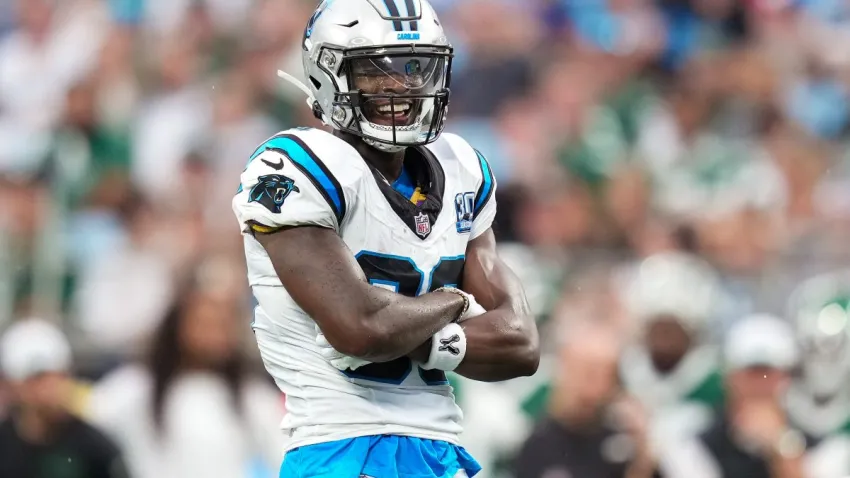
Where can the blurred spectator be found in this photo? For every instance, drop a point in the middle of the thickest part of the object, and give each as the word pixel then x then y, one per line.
pixel 24 209
pixel 124 291
pixel 818 400
pixel 167 17
pixel 589 430
pixel 41 438
pixel 623 28
pixel 54 46
pixel 672 368
pixel 751 437
pixel 238 126
pixel 173 121
pixel 85 152
pixel 193 409
pixel 499 55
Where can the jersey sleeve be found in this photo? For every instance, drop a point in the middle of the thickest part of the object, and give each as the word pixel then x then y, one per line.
pixel 485 199
pixel 286 183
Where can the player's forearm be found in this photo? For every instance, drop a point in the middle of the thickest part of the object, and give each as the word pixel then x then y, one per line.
pixel 501 345
pixel 403 323
pixel 357 319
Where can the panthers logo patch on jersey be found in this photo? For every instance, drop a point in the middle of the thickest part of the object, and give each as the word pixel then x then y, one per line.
pixel 272 190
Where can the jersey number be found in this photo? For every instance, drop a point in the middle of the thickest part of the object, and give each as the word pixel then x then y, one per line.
pixel 401 275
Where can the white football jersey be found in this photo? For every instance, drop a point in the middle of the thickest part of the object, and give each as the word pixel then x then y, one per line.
pixel 307 177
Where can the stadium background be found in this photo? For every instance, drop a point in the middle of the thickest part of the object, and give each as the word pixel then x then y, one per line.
pixel 617 130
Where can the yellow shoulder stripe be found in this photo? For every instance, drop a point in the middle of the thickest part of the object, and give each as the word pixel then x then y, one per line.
pixel 261 228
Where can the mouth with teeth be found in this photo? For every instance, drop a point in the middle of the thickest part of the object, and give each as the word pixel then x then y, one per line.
pixel 399 113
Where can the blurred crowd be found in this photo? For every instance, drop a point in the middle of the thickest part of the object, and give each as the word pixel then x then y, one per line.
pixel 674 192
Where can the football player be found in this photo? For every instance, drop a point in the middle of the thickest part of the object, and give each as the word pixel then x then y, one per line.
pixel 818 400
pixel 371 255
pixel 673 366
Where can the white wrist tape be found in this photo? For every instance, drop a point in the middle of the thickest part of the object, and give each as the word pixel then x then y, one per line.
pixel 448 347
pixel 471 307
pixel 474 310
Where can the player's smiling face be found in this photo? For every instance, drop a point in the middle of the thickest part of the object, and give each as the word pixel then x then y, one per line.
pixel 391 77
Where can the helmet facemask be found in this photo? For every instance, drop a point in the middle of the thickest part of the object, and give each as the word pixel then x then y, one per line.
pixel 825 343
pixel 397 97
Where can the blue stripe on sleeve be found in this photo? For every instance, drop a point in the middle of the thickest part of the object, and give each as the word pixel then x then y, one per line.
pixel 486 187
pixel 312 167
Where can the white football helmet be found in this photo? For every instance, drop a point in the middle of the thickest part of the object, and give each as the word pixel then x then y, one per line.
pixel 379 69
pixel 820 310
pixel 674 284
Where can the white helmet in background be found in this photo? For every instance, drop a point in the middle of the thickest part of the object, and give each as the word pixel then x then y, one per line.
pixel 379 69
pixel 820 310
pixel 673 284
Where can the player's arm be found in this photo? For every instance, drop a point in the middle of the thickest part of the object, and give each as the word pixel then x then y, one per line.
pixel 358 319
pixel 502 343
pixel 292 202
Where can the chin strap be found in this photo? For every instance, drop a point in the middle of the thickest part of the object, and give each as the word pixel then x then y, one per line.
pixel 389 148
pixel 311 101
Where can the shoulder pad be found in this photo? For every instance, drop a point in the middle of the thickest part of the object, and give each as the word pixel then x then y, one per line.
pixel 452 145
pixel 332 165
pixel 339 157
pixel 299 177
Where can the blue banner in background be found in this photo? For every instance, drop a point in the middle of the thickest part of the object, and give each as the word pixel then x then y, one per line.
pixel 128 12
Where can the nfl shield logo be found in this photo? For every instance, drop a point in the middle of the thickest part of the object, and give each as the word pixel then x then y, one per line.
pixel 423 224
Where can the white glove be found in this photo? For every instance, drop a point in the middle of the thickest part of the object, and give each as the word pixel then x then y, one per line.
pixel 339 360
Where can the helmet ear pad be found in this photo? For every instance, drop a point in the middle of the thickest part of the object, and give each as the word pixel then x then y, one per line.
pixel 324 77
pixel 317 111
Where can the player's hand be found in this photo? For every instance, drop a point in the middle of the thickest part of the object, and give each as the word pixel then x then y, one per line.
pixel 338 360
pixel 761 423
